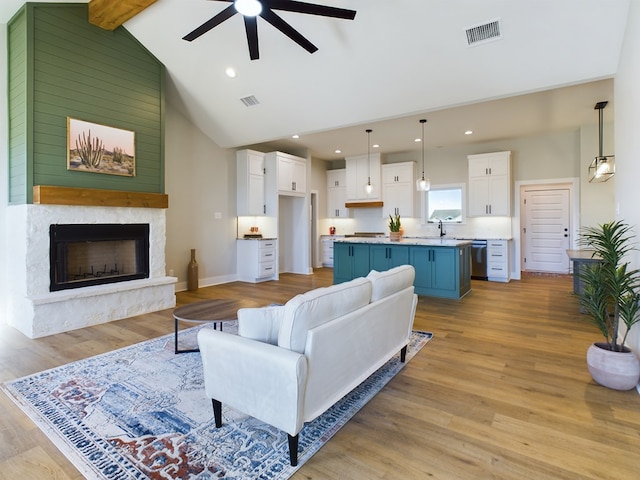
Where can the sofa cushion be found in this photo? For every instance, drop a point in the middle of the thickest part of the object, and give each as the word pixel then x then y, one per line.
pixel 306 311
pixel 390 281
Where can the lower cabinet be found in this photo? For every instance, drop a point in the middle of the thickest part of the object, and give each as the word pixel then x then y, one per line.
pixel 384 257
pixel 350 260
pixel 256 260
pixel 440 271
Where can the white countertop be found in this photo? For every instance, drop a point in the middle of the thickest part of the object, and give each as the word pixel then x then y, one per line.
pixel 426 241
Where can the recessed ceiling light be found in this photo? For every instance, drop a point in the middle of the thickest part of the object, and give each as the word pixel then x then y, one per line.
pixel 230 72
pixel 337 151
pixel 418 140
pixel 295 136
pixel 375 145
pixel 468 132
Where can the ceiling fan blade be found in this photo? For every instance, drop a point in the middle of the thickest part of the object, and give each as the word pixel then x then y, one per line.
pixel 288 30
pixel 311 9
pixel 209 24
pixel 251 27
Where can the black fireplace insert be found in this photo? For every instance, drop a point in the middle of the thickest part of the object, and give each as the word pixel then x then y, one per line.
pixel 82 255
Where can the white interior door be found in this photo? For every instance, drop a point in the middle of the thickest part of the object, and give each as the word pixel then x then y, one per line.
pixel 546 231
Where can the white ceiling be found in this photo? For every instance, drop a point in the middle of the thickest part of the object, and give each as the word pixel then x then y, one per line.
pixel 397 62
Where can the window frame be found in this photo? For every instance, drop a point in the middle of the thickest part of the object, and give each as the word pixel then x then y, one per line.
pixel 446 186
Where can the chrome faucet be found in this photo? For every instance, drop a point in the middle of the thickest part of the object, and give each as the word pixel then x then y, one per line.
pixel 442 232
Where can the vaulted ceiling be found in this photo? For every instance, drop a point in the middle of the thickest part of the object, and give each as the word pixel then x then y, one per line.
pixel 396 62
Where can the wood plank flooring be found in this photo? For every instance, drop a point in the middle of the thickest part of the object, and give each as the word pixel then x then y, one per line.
pixel 502 391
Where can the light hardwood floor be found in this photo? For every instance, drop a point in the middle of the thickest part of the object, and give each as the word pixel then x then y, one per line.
pixel 502 391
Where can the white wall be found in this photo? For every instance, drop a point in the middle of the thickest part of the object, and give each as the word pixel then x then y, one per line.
pixel 200 179
pixel 4 161
pixel 627 120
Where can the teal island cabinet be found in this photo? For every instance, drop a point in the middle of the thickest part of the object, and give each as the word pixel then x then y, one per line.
pixel 443 267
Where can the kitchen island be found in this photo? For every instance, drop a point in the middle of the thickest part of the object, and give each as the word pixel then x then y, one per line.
pixel 443 266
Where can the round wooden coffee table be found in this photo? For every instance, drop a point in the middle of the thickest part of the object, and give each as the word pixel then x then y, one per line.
pixel 212 310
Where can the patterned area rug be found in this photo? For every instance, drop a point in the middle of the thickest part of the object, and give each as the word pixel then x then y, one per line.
pixel 141 413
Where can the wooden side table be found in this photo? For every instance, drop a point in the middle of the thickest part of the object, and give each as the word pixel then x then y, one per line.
pixel 212 310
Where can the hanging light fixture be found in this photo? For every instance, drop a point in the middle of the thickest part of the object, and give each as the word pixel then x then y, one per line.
pixel 423 184
pixel 602 167
pixel 368 187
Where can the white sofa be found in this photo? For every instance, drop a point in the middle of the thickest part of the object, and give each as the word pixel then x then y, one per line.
pixel 290 363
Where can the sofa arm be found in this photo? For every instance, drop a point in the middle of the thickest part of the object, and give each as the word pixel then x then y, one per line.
pixel 262 380
pixel 262 324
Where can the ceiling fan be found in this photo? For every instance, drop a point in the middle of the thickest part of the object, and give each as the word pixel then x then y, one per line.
pixel 251 9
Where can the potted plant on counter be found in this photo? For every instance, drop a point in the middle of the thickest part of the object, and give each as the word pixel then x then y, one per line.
pixel 610 297
pixel 394 228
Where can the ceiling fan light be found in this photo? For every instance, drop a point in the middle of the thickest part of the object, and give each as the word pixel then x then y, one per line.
pixel 248 8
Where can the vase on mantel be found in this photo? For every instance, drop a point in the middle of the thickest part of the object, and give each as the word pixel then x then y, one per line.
pixel 192 272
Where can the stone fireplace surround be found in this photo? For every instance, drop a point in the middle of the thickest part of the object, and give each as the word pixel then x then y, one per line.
pixel 37 312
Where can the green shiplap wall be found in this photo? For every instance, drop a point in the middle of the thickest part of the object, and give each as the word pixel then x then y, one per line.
pixel 61 66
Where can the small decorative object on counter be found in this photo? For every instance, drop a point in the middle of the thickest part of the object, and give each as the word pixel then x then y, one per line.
pixel 192 272
pixel 332 230
pixel 394 228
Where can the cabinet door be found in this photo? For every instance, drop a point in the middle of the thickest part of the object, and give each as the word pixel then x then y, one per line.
pixel 443 261
pixel 499 195
pixel 299 176
pixel 361 266
pixel 478 196
pixel 342 262
pixel 256 195
pixel 420 258
pixel 359 169
pixel 337 194
pixel 285 174
pixel 398 199
pixel 379 257
pixel 398 255
pixel 250 183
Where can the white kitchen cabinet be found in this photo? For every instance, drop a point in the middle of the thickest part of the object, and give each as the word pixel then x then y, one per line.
pixel 359 169
pixel 327 250
pixel 490 184
pixel 290 171
pixel 398 189
pixel 250 183
pixel 257 260
pixel 498 260
pixel 337 194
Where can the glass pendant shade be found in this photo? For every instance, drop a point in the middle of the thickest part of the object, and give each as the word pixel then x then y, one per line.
pixel 368 187
pixel 248 8
pixel 423 184
pixel 602 168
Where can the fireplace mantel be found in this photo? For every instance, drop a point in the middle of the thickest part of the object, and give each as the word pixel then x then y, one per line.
pixel 54 195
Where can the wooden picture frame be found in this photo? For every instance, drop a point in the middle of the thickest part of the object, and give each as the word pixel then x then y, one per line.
pixel 96 148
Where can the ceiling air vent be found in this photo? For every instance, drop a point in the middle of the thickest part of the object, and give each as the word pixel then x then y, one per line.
pixel 250 101
pixel 484 33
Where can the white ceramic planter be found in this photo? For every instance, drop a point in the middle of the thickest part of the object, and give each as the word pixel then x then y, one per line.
pixel 616 370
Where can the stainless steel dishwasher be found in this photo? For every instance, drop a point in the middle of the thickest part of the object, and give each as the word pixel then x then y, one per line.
pixel 479 259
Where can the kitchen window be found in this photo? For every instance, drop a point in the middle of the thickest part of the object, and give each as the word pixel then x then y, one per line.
pixel 445 203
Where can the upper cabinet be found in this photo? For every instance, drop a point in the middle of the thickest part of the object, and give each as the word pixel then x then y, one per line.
pixel 250 191
pixel 337 194
pixel 359 169
pixel 290 171
pixel 398 189
pixel 490 184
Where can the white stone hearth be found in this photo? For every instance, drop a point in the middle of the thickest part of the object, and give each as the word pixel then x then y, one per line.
pixel 37 312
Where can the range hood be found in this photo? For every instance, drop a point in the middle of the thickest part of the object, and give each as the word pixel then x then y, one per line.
pixel 602 167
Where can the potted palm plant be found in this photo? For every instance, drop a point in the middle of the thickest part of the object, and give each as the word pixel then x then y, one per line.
pixel 610 297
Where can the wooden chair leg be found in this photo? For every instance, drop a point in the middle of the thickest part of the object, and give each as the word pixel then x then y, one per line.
pixel 217 412
pixel 403 354
pixel 293 450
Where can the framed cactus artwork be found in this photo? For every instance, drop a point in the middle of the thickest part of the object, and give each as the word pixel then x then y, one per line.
pixel 96 148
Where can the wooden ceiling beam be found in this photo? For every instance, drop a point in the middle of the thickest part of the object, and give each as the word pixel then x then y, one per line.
pixel 110 14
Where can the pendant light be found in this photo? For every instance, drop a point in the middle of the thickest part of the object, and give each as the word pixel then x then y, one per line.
pixel 368 187
pixel 423 184
pixel 602 167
